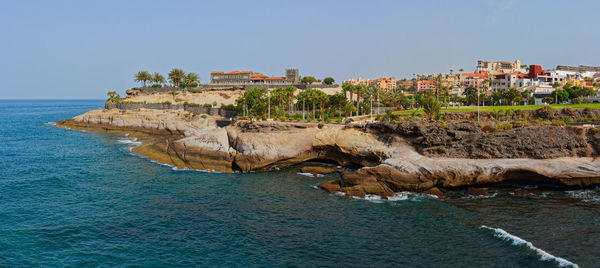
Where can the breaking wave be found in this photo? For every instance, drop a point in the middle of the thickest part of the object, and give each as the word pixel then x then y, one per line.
pixel 517 241
pixel 587 195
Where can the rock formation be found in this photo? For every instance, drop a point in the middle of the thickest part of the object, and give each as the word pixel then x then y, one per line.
pixel 394 157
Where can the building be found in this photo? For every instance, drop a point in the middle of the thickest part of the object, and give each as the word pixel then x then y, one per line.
pixel 358 81
pixel 387 83
pixel 250 77
pixel 425 85
pixel 477 79
pixel 406 84
pixel 498 67
pixel 506 81
pixel 585 71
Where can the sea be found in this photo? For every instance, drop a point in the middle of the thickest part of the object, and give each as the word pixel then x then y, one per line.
pixel 71 198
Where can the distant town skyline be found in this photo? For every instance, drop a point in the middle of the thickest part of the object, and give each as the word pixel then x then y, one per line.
pixel 75 50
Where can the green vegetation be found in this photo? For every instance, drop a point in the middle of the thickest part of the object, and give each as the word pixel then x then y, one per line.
pixel 113 97
pixel 431 107
pixel 176 75
pixel 503 108
pixel 328 80
pixel 143 77
pixel 308 79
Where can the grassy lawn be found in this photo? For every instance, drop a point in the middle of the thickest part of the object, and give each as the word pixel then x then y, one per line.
pixel 502 108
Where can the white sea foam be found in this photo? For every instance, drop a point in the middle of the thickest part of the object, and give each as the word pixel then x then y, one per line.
pixel 480 196
pixel 587 195
pixel 517 241
pixel 338 193
pixel 400 196
pixel 133 141
pixel 309 174
pixel 51 123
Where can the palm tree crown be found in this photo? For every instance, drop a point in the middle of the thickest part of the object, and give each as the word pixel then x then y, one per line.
pixel 176 75
pixel 142 76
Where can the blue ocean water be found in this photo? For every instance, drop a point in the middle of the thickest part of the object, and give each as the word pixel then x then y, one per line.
pixel 75 198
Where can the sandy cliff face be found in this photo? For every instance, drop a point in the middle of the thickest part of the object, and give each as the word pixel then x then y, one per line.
pixel 390 154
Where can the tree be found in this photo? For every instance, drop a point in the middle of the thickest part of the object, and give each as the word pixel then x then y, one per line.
pixel 191 78
pixel 113 97
pixel 308 80
pixel 560 95
pixel 253 100
pixel 510 95
pixel 358 89
pixel 328 80
pixel 142 76
pixel 547 100
pixel 158 78
pixel 176 75
pixel 431 107
pixel 555 86
pixel 348 109
pixel 461 70
pixel 471 94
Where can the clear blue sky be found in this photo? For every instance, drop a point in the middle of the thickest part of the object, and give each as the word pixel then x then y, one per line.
pixel 82 49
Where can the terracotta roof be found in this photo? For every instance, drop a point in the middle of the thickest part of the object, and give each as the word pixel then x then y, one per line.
pixel 276 78
pixel 239 72
pixel 216 72
pixel 258 76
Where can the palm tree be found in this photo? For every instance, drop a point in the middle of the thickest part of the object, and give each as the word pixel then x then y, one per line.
pixel 461 70
pixel 176 75
pixel 191 78
pixel 358 89
pixel 142 76
pixel 158 78
pixel 555 86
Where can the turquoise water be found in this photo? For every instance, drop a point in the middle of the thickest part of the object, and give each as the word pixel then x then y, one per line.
pixel 74 198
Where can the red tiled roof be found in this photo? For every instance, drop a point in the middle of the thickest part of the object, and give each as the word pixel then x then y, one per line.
pixel 216 72
pixel 239 72
pixel 258 76
pixel 276 78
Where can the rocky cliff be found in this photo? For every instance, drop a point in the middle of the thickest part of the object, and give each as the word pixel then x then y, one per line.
pixel 393 157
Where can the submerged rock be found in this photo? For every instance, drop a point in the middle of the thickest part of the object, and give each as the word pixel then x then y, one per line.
pixel 315 170
pixel 477 191
pixel 331 186
pixel 435 192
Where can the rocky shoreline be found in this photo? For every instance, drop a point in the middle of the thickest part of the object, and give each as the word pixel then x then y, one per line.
pixel 393 157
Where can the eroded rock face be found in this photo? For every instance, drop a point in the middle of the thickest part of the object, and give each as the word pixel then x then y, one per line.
pixel 387 151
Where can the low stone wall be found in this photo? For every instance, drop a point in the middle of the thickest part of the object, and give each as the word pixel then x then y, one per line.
pixel 213 87
pixel 166 106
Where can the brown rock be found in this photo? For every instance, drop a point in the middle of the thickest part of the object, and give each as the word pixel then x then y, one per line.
pixel 434 191
pixel 521 192
pixel 476 191
pixel 330 186
pixel 317 170
pixel 375 188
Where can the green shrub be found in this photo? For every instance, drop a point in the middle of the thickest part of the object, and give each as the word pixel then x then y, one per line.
pixel 593 131
pixel 567 120
pixel 207 105
pixel 558 123
pixel 214 104
pixel 545 112
pixel 517 124
pixel 204 116
pixel 502 126
pixel 166 102
pixel 156 85
pixel 230 107
pixel 320 125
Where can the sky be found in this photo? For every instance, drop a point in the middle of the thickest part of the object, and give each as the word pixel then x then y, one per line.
pixel 82 49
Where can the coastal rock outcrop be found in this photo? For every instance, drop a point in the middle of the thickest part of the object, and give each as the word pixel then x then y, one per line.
pixel 391 157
